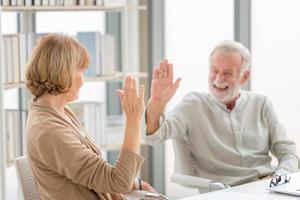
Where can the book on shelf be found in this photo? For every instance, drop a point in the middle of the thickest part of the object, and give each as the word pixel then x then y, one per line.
pixel 115 126
pixel 102 48
pixel 22 38
pixel 104 130
pixel 15 53
pixel 31 41
pixel 11 57
pixel 62 3
pixel 5 3
pixel 20 2
pixel 45 2
pixel 18 47
pixel 92 41
pixel 13 2
pixel 114 2
pixel 37 2
pixel 109 57
pixel 89 2
pixel 15 122
pixel 93 116
pixel 99 2
pixel 28 2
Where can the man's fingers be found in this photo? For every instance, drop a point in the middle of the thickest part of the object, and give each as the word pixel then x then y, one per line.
pixel 177 82
pixel 155 74
pixel 161 69
pixel 170 71
pixel 165 69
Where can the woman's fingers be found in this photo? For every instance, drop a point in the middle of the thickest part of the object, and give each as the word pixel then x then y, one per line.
pixel 130 92
pixel 121 95
pixel 141 93
pixel 155 74
pixel 127 83
pixel 133 85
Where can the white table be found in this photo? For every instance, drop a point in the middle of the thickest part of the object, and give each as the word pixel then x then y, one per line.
pixel 251 191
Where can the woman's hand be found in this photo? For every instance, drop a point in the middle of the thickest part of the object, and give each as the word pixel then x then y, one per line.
pixel 144 186
pixel 147 187
pixel 132 101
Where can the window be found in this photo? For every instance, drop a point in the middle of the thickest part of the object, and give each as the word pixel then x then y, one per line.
pixel 276 50
pixel 192 29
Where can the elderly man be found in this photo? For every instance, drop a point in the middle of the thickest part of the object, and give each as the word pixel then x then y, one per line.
pixel 229 132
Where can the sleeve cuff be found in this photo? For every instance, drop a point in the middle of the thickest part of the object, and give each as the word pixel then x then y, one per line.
pixel 129 154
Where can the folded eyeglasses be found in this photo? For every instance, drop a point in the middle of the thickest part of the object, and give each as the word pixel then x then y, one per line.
pixel 278 180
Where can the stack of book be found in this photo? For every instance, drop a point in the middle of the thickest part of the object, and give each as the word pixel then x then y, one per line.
pixel 63 3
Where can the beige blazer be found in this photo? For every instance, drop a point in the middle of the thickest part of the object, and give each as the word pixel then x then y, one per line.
pixel 68 165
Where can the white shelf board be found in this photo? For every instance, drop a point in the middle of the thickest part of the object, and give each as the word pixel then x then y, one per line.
pixel 69 8
pixel 118 76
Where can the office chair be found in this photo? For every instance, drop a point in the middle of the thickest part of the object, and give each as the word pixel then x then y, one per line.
pixel 184 173
pixel 25 178
pixel 29 189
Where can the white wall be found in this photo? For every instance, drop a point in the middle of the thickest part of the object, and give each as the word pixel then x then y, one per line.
pixel 70 22
pixel 192 29
pixel 276 63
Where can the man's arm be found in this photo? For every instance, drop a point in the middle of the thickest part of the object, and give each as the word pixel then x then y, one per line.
pixel 162 90
pixel 281 146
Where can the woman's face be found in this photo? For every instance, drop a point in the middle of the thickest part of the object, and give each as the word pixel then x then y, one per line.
pixel 78 80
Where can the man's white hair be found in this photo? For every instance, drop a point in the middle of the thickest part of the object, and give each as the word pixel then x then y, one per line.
pixel 233 46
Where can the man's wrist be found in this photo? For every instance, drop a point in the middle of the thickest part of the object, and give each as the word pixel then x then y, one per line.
pixel 155 107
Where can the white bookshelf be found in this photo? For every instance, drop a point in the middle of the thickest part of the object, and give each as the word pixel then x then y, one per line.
pixel 117 77
pixel 70 8
pixel 2 127
pixel 129 58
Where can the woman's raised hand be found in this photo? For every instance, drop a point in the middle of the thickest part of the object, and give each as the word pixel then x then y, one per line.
pixel 132 100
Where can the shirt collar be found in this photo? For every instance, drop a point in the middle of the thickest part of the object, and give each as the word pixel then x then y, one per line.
pixel 240 101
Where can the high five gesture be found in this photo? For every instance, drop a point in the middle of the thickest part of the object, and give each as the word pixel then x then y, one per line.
pixel 162 90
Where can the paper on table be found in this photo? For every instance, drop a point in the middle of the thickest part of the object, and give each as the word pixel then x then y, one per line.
pixel 226 195
pixel 288 188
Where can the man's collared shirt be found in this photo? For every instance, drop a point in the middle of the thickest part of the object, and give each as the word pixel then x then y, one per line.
pixel 229 146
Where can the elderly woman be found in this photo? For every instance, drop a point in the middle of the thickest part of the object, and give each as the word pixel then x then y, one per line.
pixel 65 162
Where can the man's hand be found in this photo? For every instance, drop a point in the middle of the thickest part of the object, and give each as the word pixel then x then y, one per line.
pixel 162 86
pixel 162 90
pixel 267 177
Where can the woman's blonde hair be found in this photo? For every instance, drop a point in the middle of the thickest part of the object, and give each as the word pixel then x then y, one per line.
pixel 52 64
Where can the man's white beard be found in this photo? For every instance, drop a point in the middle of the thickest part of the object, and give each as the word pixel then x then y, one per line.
pixel 231 93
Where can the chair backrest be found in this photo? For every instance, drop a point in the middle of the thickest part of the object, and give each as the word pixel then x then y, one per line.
pixel 26 179
pixel 185 174
pixel 183 158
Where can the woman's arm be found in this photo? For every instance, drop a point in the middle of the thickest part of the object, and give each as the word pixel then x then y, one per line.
pixel 133 106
